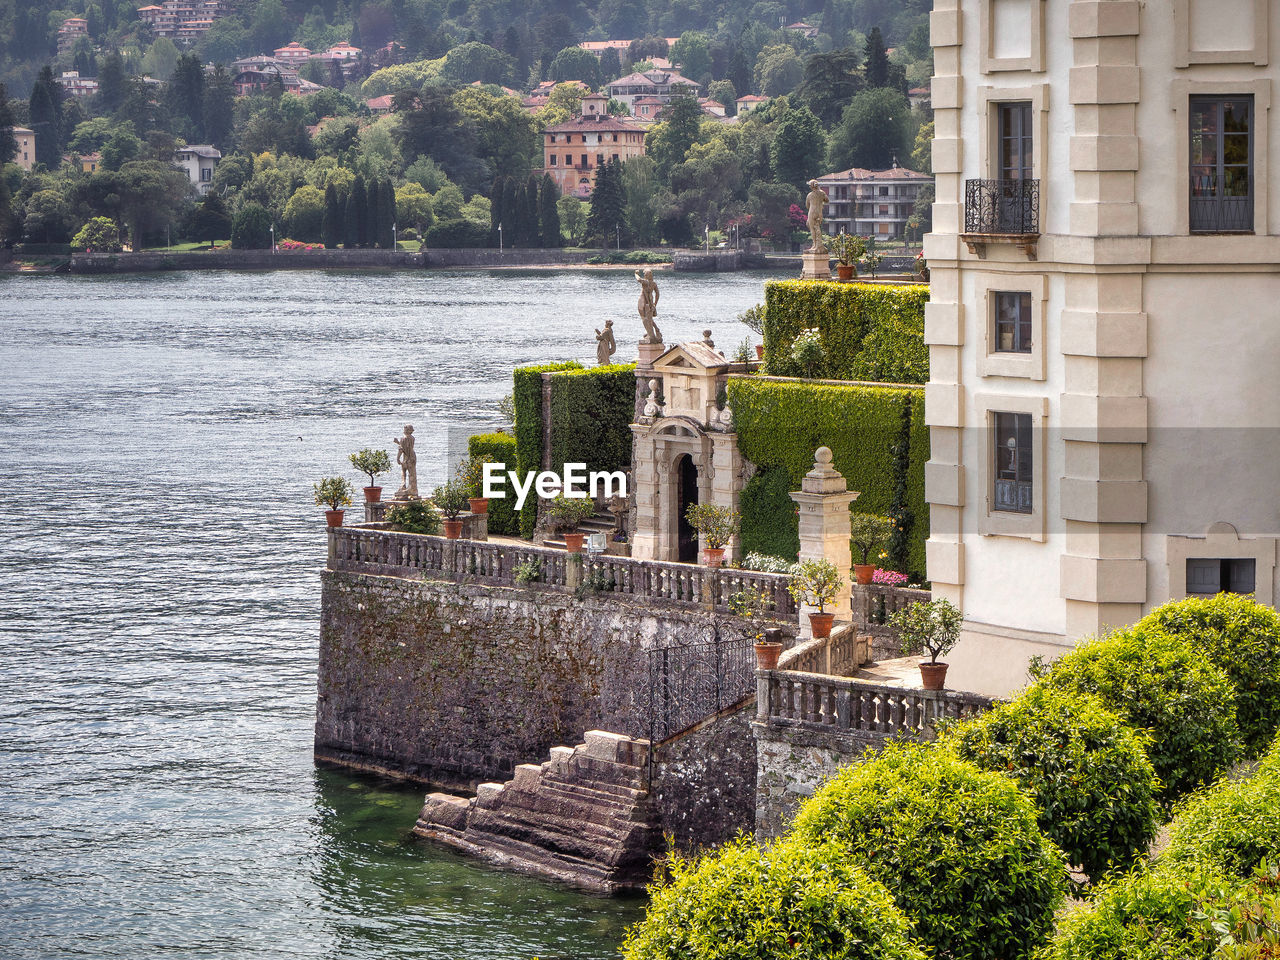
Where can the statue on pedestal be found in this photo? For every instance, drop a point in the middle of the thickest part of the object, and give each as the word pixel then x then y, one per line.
pixel 408 461
pixel 605 345
pixel 648 306
pixel 816 202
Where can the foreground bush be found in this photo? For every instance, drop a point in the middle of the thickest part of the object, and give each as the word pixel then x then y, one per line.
pixel 1087 773
pixel 416 516
pixel 958 847
pixel 1242 637
pixel 1231 826
pixel 789 900
pixel 1159 683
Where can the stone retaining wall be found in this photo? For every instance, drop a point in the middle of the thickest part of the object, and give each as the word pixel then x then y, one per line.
pixel 94 263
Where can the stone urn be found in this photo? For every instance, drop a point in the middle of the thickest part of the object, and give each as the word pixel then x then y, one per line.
pixel 820 624
pixel 933 676
pixel 846 272
pixel 372 494
pixel 573 542
pixel 479 505
pixel 713 556
pixel 863 572
pixel 769 649
pixel 453 529
pixel 333 518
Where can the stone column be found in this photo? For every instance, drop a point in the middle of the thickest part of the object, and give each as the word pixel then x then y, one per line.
pixel 824 499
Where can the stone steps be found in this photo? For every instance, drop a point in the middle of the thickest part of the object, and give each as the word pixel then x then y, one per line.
pixel 596 523
pixel 583 817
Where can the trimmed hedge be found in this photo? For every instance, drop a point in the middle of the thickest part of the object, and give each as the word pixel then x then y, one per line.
pixel 500 448
pixel 527 397
pixel 1233 825
pixel 957 846
pixel 1087 773
pixel 1159 683
pixel 1242 637
pixel 788 900
pixel 781 423
pixel 591 414
pixel 868 331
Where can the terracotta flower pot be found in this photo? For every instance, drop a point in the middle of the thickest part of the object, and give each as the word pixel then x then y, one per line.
pixel 333 518
pixel 479 505
pixel 573 542
pixel 713 556
pixel 767 653
pixel 372 494
pixel 863 572
pixel 453 529
pixel 933 676
pixel 759 351
pixel 820 624
pixel 845 271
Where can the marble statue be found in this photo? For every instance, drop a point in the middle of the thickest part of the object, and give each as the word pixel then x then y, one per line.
pixel 605 345
pixel 651 407
pixel 816 202
pixel 648 306
pixel 408 461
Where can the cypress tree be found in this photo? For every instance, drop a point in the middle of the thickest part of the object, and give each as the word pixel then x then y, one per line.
pixel 46 118
pixel 608 204
pixel 532 217
pixel 331 228
pixel 510 212
pixel 387 208
pixel 351 220
pixel 550 214
pixel 877 60
pixel 373 201
pixel 358 203
pixel 495 210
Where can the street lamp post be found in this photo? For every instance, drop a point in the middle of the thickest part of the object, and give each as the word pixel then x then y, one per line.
pixel 395 238
pixel 499 238
pixel 273 238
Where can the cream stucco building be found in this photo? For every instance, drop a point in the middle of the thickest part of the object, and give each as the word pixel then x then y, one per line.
pixel 1104 324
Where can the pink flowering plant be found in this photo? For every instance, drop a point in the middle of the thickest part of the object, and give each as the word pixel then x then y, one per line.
pixel 889 578
pixel 298 245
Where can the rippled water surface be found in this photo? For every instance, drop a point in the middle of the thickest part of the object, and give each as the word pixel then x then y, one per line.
pixel 159 603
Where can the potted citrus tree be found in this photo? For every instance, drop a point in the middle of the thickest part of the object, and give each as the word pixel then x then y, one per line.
pixel 848 250
pixel 868 533
pixel 716 525
pixel 451 498
pixel 471 475
pixel 334 493
pixel 752 605
pixel 372 462
pixel 817 583
pixel 565 514
pixel 932 625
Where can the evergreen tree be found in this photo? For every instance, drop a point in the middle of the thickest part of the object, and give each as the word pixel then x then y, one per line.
pixel 877 60
pixel 496 202
pixel 387 208
pixel 532 214
pixel 211 220
pixel 331 228
pixel 112 83
pixel 217 112
pixel 8 145
pixel 608 204
pixel 510 212
pixel 373 203
pixel 46 118
pixel 186 93
pixel 351 216
pixel 549 214
pixel 900 516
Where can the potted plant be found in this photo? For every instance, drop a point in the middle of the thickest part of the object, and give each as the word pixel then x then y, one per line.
pixel 817 583
pixel 565 514
pixel 752 605
pixel 922 268
pixel 471 475
pixel 932 625
pixel 716 525
pixel 372 462
pixel 868 533
pixel 848 250
pixel 451 498
pixel 334 493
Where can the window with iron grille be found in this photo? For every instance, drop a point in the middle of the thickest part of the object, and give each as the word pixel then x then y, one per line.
pixel 1013 491
pixel 1013 321
pixel 1206 576
pixel 1221 185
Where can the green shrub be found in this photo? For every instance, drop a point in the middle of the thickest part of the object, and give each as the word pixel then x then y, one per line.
pixel 780 425
pixel 1161 684
pixel 1087 773
pixel 99 234
pixel 868 331
pixel 251 229
pixel 416 516
pixel 957 846
pixel 1144 915
pixel 527 397
pixel 1242 637
pixel 501 449
pixel 453 234
pixel 591 414
pixel 1232 825
pixel 788 901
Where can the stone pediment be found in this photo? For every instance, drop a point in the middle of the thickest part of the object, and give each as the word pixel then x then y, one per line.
pixel 691 357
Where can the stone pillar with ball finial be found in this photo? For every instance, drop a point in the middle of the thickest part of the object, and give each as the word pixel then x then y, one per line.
pixel 823 502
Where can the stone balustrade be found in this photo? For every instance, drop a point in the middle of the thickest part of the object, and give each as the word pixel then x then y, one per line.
pixel 838 655
pixel 387 553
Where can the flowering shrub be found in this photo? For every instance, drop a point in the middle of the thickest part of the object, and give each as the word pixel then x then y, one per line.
pixel 297 245
pixel 889 578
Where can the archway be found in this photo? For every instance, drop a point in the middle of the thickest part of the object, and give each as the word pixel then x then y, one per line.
pixel 686 494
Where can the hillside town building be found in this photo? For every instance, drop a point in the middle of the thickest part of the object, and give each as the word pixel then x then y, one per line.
pixel 186 20
pixel 1104 419
pixel 26 141
pixel 198 162
pixel 872 203
pixel 660 84
pixel 573 150
pixel 72 29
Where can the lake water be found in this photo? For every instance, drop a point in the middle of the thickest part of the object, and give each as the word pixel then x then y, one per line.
pixel 159 603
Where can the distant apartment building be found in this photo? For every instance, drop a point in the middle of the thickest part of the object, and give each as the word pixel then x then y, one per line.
pixel 26 141
pixel 872 203
pixel 77 86
pixel 622 46
pixel 292 53
pixel 72 29
pixel 255 74
pixel 573 150
pixel 197 161
pixel 750 102
pixel 661 84
pixel 185 20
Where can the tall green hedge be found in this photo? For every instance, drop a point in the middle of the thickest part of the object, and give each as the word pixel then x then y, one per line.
pixel 500 448
pixel 591 415
pixel 527 396
pixel 781 423
pixel 868 331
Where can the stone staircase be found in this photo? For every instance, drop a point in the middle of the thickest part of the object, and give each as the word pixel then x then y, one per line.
pixel 583 818
pixel 599 522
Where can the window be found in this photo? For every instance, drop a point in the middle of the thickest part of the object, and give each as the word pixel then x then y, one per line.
pixel 206 174
pixel 1013 465
pixel 884 191
pixel 1012 321
pixel 1221 199
pixel 884 209
pixel 615 157
pixel 553 159
pixel 584 160
pixel 1210 576
pixel 599 159
pixel 1015 141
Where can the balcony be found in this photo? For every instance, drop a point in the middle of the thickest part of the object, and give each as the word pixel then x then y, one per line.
pixel 1001 211
pixel 1221 204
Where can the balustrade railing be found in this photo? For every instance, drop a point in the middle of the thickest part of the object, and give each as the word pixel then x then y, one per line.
pixel 875 603
pixel 837 655
pixel 1002 207
pixel 387 553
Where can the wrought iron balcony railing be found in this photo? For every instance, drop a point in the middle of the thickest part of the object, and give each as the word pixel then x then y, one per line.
pixel 1221 207
pixel 1008 207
